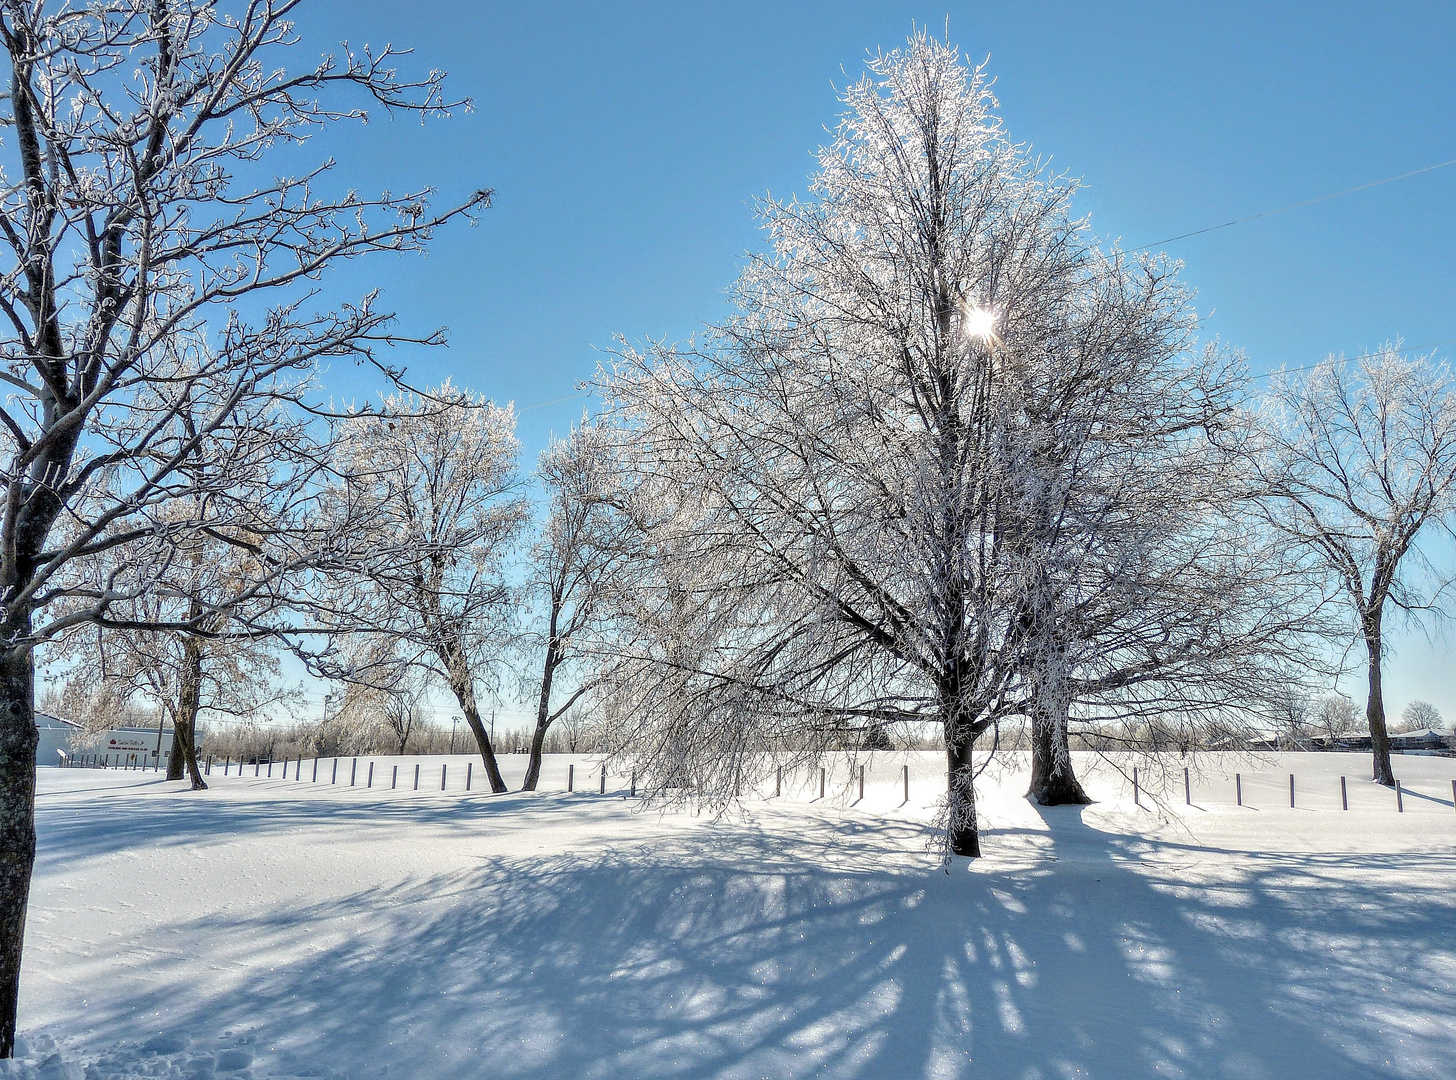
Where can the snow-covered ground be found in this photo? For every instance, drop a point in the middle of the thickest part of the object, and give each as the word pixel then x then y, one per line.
pixel 289 928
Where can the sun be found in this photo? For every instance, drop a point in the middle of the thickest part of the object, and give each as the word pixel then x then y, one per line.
pixel 978 322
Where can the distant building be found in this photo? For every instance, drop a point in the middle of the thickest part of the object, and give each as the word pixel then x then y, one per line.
pixel 60 739
pixel 56 737
pixel 1430 739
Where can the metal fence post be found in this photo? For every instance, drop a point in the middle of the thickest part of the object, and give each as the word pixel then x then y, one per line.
pixel 570 777
pixel 822 772
pixel 1238 789
pixel 417 776
pixel 905 775
pixel 1135 799
pixel 394 778
pixel 369 783
pixel 1399 799
pixel 443 767
pixel 861 783
pixel 1187 788
pixel 334 777
pixel 469 767
pixel 1291 791
pixel 604 781
pixel 1345 795
pixel 353 770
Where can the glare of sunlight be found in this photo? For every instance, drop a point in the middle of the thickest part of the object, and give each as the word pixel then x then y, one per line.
pixel 978 322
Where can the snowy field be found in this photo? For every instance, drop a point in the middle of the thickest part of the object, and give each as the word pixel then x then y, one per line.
pixel 287 928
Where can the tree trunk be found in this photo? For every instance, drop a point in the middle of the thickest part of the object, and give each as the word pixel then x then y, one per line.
pixel 18 739
pixel 452 654
pixel 962 836
pixel 1375 706
pixel 483 743
pixel 543 714
pixel 184 724
pixel 1053 781
pixel 533 765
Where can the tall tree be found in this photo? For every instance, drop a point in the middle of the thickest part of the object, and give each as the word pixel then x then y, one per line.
pixel 436 475
pixel 575 570
pixel 1360 463
pixel 853 447
pixel 125 219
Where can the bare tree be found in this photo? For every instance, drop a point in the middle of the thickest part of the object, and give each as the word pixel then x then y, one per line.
pixel 1419 716
pixel 1360 462
pixel 575 570
pixel 1336 716
pixel 849 455
pixel 124 222
pixel 427 567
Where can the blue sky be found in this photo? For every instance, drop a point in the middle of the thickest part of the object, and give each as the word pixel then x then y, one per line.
pixel 626 143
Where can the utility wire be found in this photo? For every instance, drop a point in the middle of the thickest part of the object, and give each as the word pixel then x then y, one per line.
pixel 1298 205
pixel 1362 356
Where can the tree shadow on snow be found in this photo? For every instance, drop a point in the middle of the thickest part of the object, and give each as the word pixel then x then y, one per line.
pixel 748 950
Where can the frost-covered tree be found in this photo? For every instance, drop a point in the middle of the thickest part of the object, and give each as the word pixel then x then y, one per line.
pixel 575 572
pixel 1336 716
pixel 431 483
pixel 134 206
pixel 866 461
pixel 1419 716
pixel 1360 464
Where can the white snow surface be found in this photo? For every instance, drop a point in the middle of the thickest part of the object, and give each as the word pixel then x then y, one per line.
pixel 286 928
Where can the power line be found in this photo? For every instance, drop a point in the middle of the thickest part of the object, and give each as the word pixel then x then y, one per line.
pixel 1298 205
pixel 1362 356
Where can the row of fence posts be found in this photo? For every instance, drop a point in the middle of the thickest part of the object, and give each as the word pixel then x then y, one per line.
pixel 129 762
pixel 136 762
pixel 1239 792
pixel 469 768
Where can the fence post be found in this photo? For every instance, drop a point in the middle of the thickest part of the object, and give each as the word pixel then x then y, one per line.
pixel 394 778
pixel 1291 791
pixel 821 781
pixel 417 776
pixel 353 770
pixel 604 780
pixel 257 768
pixel 861 783
pixel 570 777
pixel 778 781
pixel 634 784
pixel 1136 801
pixel 270 768
pixel 905 771
pixel 315 768
pixel 334 778
pixel 226 765
pixel 1238 789
pixel 1399 799
pixel 443 767
pixel 1344 795
pixel 469 766
pixel 298 770
pixel 209 764
pixel 369 783
pixel 1187 788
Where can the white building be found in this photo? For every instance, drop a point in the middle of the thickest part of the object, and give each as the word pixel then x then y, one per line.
pixel 60 739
